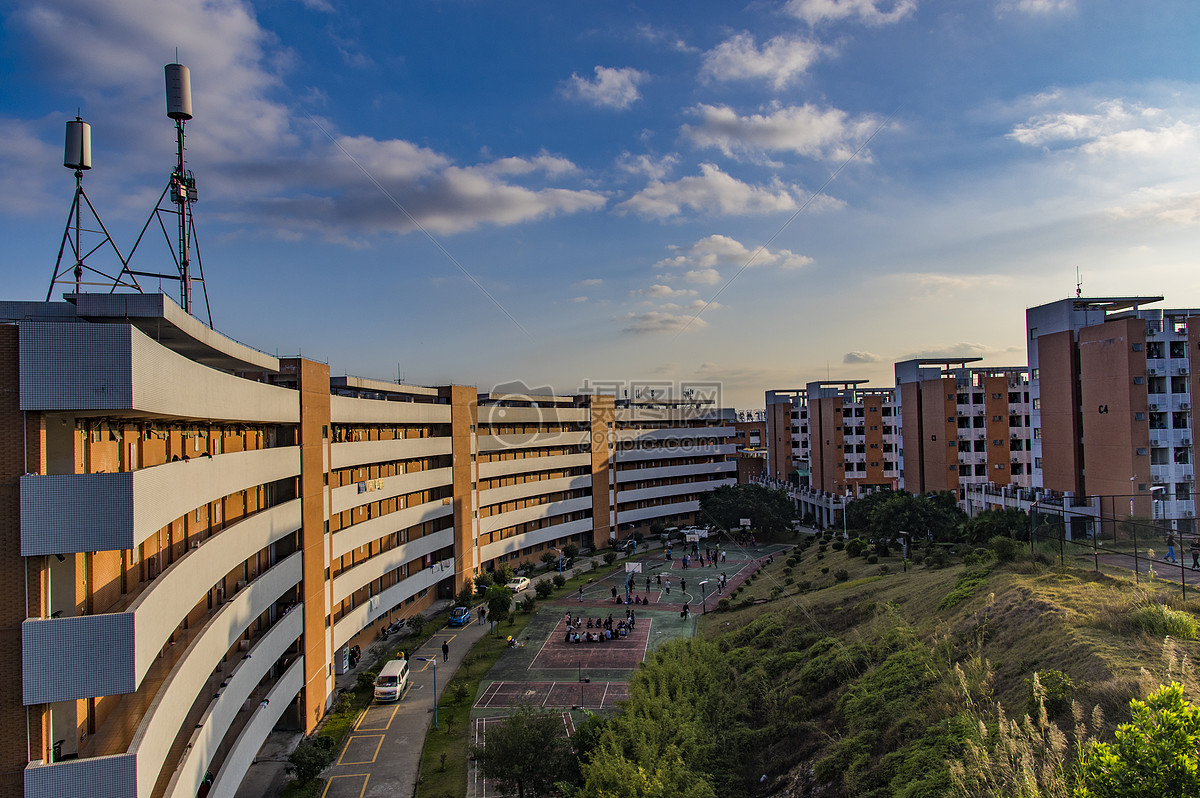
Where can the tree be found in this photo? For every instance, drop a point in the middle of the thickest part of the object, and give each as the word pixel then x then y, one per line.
pixel 888 513
pixel 499 602
pixel 466 595
pixel 1009 523
pixel 527 752
pixel 769 509
pixel 1156 754
pixel 570 551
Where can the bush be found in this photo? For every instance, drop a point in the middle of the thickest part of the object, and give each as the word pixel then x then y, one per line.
pixel 881 548
pixel 416 623
pixel 483 581
pixel 872 559
pixel 610 557
pixel 825 569
pixel 789 580
pixel 544 587
pixel 883 569
pixel 792 560
pixel 1056 689
pixel 855 547
pixel 310 758
pixel 559 580
pixel 723 604
pixel 528 602
pixel 841 575
pixel 776 591
pixel 570 551
pixel 1004 548
pixel 804 586
pixel 1159 619
pixel 838 545
pixel 978 557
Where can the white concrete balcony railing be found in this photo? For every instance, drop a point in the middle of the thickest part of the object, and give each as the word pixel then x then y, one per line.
pixel 528 465
pixel 350 538
pixel 538 536
pixel 245 748
pixel 356 494
pixel 661 511
pixel 155 735
pixel 494 414
pixel 230 700
pixel 349 410
pixel 131 640
pixel 675 433
pixel 532 440
pixel 65 513
pixel 537 488
pixel 358 453
pixel 378 605
pixel 525 514
pixel 133 774
pixel 681 489
pixel 667 453
pixel 371 569
pixel 117 368
pixel 668 472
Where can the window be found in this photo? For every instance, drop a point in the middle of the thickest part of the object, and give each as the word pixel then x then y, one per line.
pixel 997 442
pixel 1183 491
pixel 1142 451
pixel 1037 433
pixel 1139 416
pixel 997 396
pixel 1139 380
pixel 1137 347
pixel 1037 404
pixel 1035 374
pixel 997 418
pixel 1154 350
pixel 1178 349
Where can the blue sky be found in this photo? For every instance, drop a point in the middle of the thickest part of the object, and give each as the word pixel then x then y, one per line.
pixel 563 194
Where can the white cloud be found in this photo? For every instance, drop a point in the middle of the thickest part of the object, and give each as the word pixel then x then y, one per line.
pixel 712 191
pixel 827 134
pixel 579 299
pixel 859 356
pixel 657 322
pixel 260 161
pixel 699 262
pixel 612 88
pixel 940 285
pixel 660 291
pixel 1035 8
pixel 780 60
pixel 589 282
pixel 1175 210
pixel 1110 128
pixel 647 165
pixel 965 349
pixel 872 12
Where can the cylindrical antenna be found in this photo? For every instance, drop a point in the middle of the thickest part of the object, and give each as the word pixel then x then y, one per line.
pixel 179 91
pixel 78 152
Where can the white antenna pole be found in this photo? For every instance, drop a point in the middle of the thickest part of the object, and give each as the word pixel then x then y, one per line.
pixel 179 108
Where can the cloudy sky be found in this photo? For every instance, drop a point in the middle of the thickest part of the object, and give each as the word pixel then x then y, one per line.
pixel 568 194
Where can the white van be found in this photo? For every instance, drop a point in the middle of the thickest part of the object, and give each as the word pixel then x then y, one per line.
pixel 392 681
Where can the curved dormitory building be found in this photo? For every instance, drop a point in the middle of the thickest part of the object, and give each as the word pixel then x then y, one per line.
pixel 193 532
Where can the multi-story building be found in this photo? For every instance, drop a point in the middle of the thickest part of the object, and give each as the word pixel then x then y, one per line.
pixel 750 437
pixel 787 437
pixel 854 437
pixel 193 532
pixel 1111 385
pixel 964 425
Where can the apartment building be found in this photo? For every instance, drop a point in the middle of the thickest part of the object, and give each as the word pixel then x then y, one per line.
pixel 193 532
pixel 1111 386
pixel 854 437
pixel 964 425
pixel 787 436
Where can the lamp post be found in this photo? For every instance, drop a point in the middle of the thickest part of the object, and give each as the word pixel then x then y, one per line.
pixel 703 597
pixel 435 699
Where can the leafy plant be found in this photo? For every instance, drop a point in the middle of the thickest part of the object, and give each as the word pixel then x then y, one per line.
pixel 544 587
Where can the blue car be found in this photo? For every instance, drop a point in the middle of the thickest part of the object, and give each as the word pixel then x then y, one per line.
pixel 460 616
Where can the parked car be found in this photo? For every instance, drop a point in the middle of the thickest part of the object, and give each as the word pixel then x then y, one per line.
pixel 518 583
pixel 460 616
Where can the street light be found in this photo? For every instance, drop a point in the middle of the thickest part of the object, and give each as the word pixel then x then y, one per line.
pixel 703 597
pixel 434 661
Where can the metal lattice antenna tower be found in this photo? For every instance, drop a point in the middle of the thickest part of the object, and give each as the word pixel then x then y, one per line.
pixel 181 189
pixel 77 155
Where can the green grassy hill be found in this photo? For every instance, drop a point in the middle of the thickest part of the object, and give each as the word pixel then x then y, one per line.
pixel 838 676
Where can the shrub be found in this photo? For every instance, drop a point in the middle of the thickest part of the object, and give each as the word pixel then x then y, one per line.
pixel 610 557
pixel 483 581
pixel 776 591
pixel 528 602
pixel 544 587
pixel 841 575
pixel 883 569
pixel 792 560
pixel 1056 689
pixel 416 623
pixel 789 580
pixel 978 557
pixel 825 569
pixel 881 548
pixel 1004 548
pixel 310 758
pixel 838 545
pixel 1159 619
pixel 804 585
pixel 570 551
pixel 872 559
pixel 559 580
pixel 723 604
pixel 855 547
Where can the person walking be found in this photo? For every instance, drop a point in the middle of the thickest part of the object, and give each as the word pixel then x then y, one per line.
pixel 614 592
pixel 445 651
pixel 581 594
pixel 1170 547
pixel 1195 548
pixel 683 584
pixel 668 586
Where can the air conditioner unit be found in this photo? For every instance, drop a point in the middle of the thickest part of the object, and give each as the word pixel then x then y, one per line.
pixel 1185 405
pixel 1183 369
pixel 1185 441
pixel 1155 443
pixel 241 583
pixel 1188 513
pixel 243 645
pixel 1152 372
pixel 1153 407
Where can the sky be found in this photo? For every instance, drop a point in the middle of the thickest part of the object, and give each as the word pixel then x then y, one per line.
pixel 749 195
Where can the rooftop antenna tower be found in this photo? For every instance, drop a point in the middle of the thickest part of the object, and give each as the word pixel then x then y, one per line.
pixel 77 155
pixel 1078 284
pixel 181 188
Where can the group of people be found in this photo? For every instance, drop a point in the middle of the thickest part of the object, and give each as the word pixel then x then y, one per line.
pixel 1194 550
pixel 603 628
